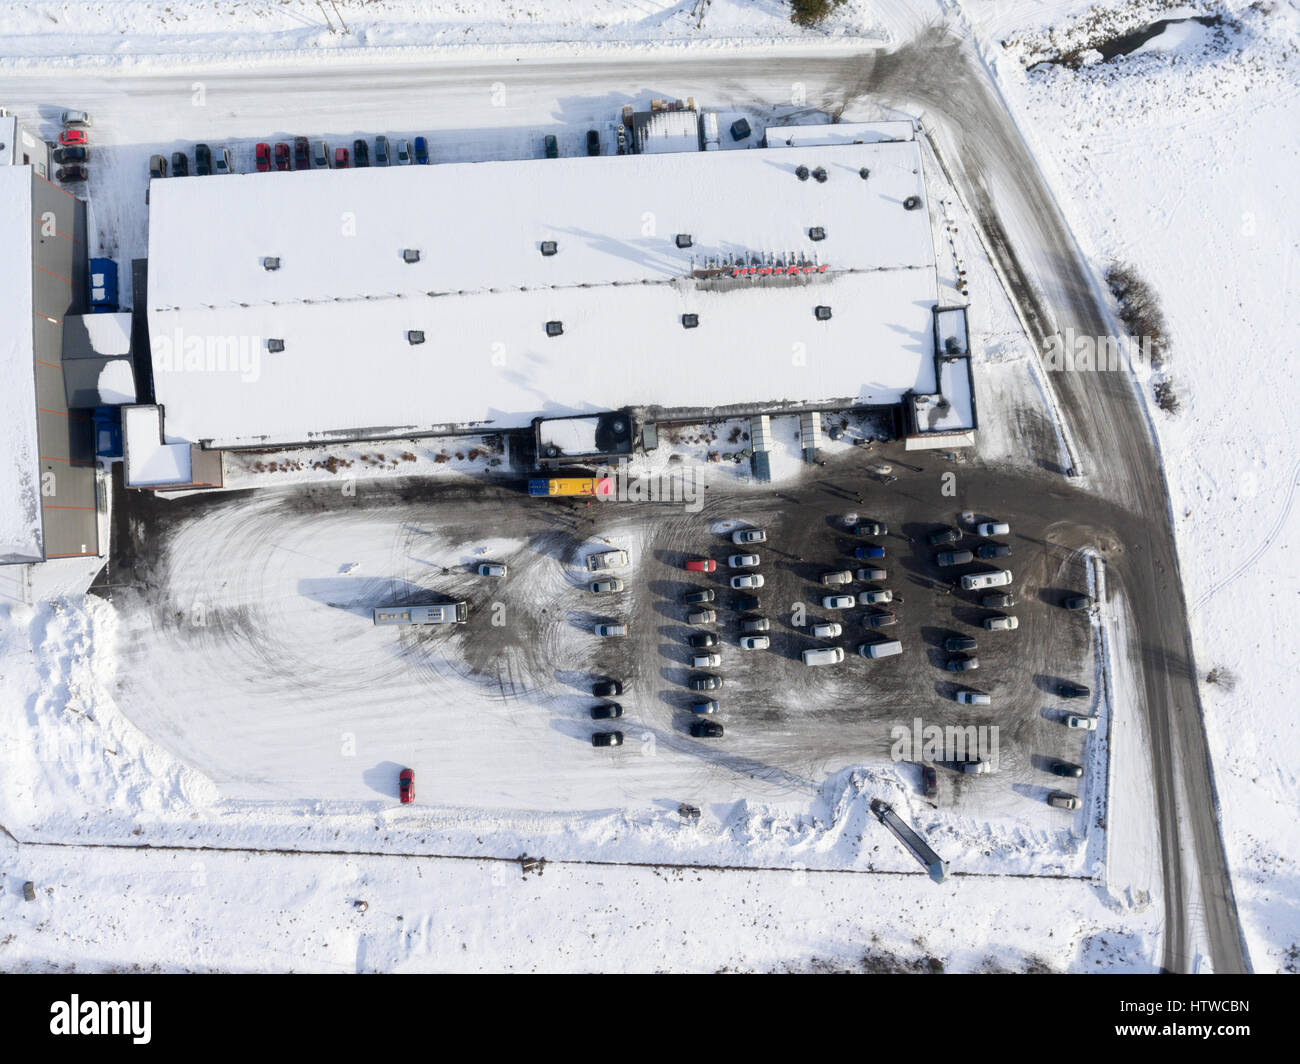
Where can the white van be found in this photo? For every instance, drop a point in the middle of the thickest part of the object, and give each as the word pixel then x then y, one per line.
pixel 978 581
pixel 881 650
pixel 823 656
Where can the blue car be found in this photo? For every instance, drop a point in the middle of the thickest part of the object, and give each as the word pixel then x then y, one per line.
pixel 421 151
pixel 864 553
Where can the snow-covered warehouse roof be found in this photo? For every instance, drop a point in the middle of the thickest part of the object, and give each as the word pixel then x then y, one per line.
pixel 344 300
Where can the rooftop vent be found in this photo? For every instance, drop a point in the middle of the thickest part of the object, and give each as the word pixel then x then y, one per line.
pixel 411 255
pixel 911 203
pixel 820 174
pixel 275 346
pixel 822 313
pixel 554 328
pixel 951 346
pixel 864 173
pixel 270 263
pixel 414 336
pixel 817 233
pixel 549 247
pixel 801 172
pixel 690 321
pixel 683 240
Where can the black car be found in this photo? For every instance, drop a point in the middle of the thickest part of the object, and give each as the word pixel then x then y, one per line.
pixel 993 550
pixel 606 711
pixel 552 146
pixel 944 536
pixel 360 153
pixel 959 643
pixel 72 173
pixel 593 142
pixel 745 603
pixel 607 738
pixel 881 620
pixel 929 781
pixel 998 600
pixel 703 639
pixel 706 729
pixel 180 164
pixel 607 688
pixel 962 664
pixel 869 528
pixel 1072 690
pixel 1078 602
pixel 1067 769
pixel 704 682
pixel 202 160
pixel 63 156
pixel 702 595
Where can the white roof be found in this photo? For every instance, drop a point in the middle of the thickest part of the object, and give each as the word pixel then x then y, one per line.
pixel 150 461
pixel 110 334
pixel 343 299
pixel 21 536
pixel 669 131
pixel 837 133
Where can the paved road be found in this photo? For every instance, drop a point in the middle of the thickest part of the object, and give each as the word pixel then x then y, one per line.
pixel 934 75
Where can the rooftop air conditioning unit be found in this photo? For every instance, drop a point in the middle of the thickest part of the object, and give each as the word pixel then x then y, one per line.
pixel 817 233
pixel 683 240
pixel 549 247
pixel 822 313
pixel 275 346
pixel 690 321
pixel 820 174
pixel 414 336
pixel 270 263
pixel 411 255
pixel 554 328
pixel 801 172
pixel 911 203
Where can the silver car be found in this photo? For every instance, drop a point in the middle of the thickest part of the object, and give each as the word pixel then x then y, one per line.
pixel 604 587
pixel 743 536
pixel 750 580
pixel 754 642
pixel 403 153
pixel 706 661
pixel 743 561
pixel 492 569
pixel 837 602
pixel 827 630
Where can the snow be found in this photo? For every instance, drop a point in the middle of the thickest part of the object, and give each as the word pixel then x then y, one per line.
pixel 817 134
pixel 110 334
pixel 569 435
pixel 668 131
pixel 150 461
pixel 116 383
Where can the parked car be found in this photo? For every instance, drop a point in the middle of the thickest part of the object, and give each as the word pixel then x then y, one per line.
pixel 745 603
pixel 262 157
pixel 1001 623
pixel 743 561
pixel 704 708
pixel 755 642
pixel 973 698
pixel 837 576
pixel 65 174
pixel 868 553
pixel 1061 800
pixel 320 155
pixel 607 738
pixel 881 620
pixel 282 157
pixel 403 153
pixel 63 156
pixel 301 154
pixel 382 152
pixel 606 711
pixel 360 152
pixel 703 594
pixel 701 617
pixel 605 587
pixel 221 163
pixel 979 581
pixel 73 138
pixel 1081 723
pixel 180 164
pixel 1078 602
pixel 593 142
pixel 874 598
pixel 929 781
pixel 704 682
pixel 610 631
pixel 1066 689
pixel 551 146
pixel 706 729
pixel 607 688
pixel 701 565
pixel 755 624
pixel 958 643
pixel 872 576
pixel 992 528
pixel 823 655
pixel 885 649
pixel 976 766
pixel 75 118
pixel 157 166
pixel 421 151
pixel 406 785
pixel 869 528
pixel 992 550
pixel 998 600
pixel 702 639
pixel 962 664
pixel 708 660
pixel 947 558
pixel 340 158
pixel 492 569
pixel 744 536
pixel 944 536
pixel 826 630
pixel 838 602
pixel 1067 769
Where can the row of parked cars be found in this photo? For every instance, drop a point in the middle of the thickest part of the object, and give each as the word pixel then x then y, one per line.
pixel 72 155
pixel 302 154
pixel 876 597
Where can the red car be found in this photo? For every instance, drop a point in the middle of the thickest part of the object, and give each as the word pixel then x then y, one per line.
pixel 340 158
pixel 263 158
pixel 73 138
pixel 406 785
pixel 701 565
pixel 282 156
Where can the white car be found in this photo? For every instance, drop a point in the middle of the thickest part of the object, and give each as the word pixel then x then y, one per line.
pixel 838 602
pixel 979 767
pixel 604 587
pixel 979 581
pixel 610 630
pixel 875 598
pixel 706 661
pixel 701 617
pixel 743 536
pixel 1081 723
pixel 993 528
pixel 754 642
pixel 403 153
pixel 973 698
pixel 75 118
pixel 492 569
pixel 827 630
pixel 752 580
pixel 743 561
pixel 1001 624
